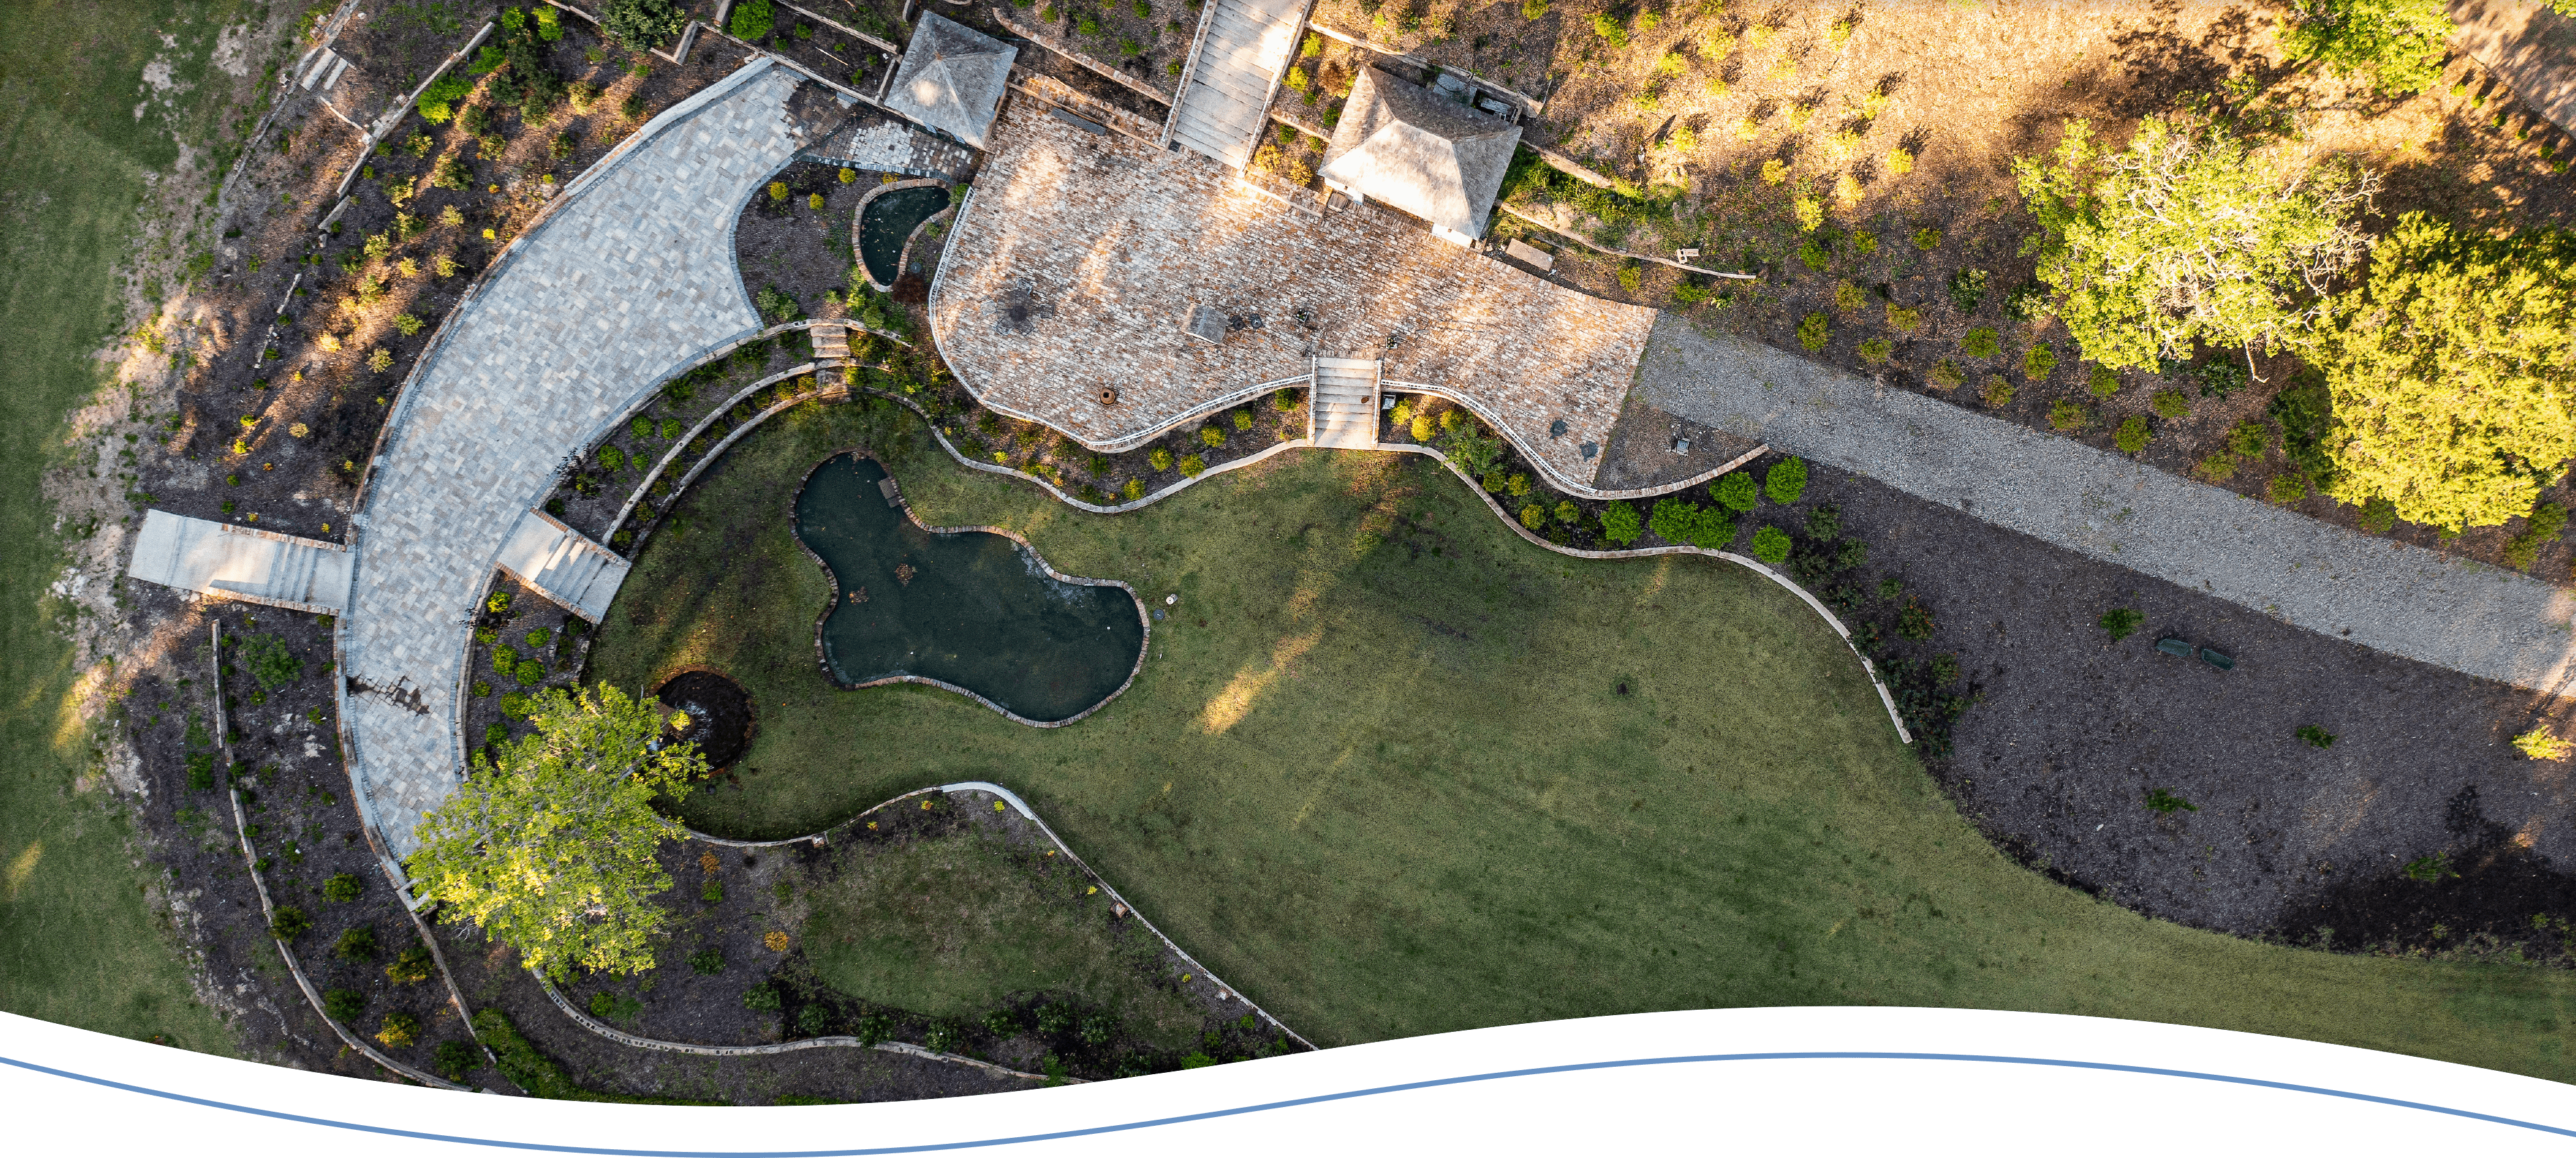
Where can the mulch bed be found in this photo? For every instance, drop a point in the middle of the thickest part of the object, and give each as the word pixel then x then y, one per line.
pixel 719 711
pixel 2071 732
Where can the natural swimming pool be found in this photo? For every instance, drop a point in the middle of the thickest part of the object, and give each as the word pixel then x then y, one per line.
pixel 888 220
pixel 972 609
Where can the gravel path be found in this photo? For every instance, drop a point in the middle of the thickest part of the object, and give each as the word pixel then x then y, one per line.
pixel 2387 596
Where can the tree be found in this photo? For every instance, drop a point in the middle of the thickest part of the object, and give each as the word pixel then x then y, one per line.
pixel 2182 237
pixel 2399 44
pixel 2451 374
pixel 549 847
pixel 641 24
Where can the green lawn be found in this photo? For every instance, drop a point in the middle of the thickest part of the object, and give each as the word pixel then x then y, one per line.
pixel 77 944
pixel 956 925
pixel 1379 773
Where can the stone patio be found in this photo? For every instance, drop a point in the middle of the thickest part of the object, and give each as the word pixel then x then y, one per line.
pixel 631 277
pixel 1117 241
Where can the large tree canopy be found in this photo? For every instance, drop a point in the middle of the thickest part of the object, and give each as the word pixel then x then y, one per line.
pixel 2399 44
pixel 641 24
pixel 549 848
pixel 2453 378
pixel 2182 237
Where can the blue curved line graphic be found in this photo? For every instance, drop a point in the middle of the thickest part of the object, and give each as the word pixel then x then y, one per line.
pixel 1019 1139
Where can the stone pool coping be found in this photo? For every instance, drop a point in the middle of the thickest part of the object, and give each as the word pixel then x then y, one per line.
pixel 903 256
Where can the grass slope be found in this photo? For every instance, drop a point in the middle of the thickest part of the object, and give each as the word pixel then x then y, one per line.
pixel 1380 773
pixel 77 944
pixel 953 926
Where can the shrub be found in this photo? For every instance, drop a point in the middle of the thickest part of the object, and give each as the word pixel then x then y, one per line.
pixel 504 657
pixel 358 944
pixel 1689 293
pixel 1212 436
pixel 342 888
pixel 516 705
pixel 1620 523
pixel 762 997
pixel 2170 404
pixel 2431 867
pixel 343 1004
pixel 612 458
pixel 1813 333
pixel 2037 361
pixel 1682 522
pixel 1904 319
pixel 1630 278
pixel 1967 289
pixel 712 891
pixel 2103 381
pixel 201 771
pixel 1945 374
pixel 1533 516
pixel 751 20
pixel 1771 545
pixel 1787 480
pixel 1980 343
pixel 2316 737
pixel 1191 466
pixel 1876 351
pixel 1847 297
pixel 707 962
pixel 1900 161
pixel 2067 415
pixel 1736 491
pixel 1914 622
pixel 2286 488
pixel 2542 527
pixel 1160 459
pixel 1813 254
pixel 1243 420
pixel 2249 439
pixel 529 673
pixel 409 324
pixel 457 1060
pixel 411 967
pixel 1134 490
pixel 269 661
pixel 399 1030
pixel 777 189
pixel 2538 744
pixel 2133 435
pixel 2217 468
pixel 2121 622
pixel 381 360
pixel 1810 212
pixel 2163 802
pixel 1998 391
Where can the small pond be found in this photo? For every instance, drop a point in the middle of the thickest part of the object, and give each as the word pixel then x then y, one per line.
pixel 888 220
pixel 973 609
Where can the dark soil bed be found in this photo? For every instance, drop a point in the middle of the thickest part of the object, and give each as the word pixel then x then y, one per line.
pixel 2074 731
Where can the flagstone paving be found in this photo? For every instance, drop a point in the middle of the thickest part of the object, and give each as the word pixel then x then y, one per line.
pixel 630 278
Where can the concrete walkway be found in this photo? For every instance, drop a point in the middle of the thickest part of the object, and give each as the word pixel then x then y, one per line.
pixel 630 278
pixel 2388 596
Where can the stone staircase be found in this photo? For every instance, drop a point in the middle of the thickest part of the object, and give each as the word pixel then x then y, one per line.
pixel 1342 408
pixel 242 563
pixel 1234 69
pixel 563 565
pixel 831 342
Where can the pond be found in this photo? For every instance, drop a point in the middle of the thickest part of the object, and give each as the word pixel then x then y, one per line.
pixel 971 609
pixel 888 220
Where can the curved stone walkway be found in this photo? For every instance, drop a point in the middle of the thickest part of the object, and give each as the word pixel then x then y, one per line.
pixel 628 278
pixel 2388 596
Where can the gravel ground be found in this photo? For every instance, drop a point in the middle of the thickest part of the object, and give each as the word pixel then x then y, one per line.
pixel 2391 597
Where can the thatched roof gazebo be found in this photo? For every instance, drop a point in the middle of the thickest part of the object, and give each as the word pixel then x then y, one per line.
pixel 1407 147
pixel 952 79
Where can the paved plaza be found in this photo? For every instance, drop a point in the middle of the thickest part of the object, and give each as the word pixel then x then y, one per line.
pixel 629 279
pixel 1080 256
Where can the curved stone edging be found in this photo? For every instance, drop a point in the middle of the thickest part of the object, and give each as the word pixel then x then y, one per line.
pixel 1633 493
pixel 1143 616
pixel 1012 799
pixel 905 254
pixel 1760 568
pixel 622 1037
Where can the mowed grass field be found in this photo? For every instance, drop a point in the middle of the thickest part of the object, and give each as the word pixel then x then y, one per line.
pixel 1379 772
pixel 77 944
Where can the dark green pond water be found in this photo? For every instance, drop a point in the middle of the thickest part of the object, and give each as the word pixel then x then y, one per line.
pixel 972 609
pixel 888 220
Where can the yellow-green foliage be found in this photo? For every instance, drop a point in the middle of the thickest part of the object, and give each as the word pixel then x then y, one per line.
pixel 550 847
pixel 2453 379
